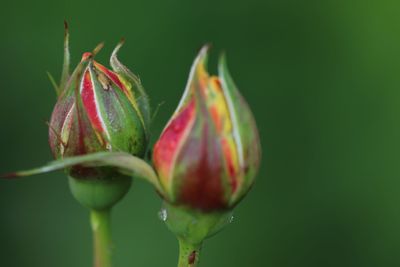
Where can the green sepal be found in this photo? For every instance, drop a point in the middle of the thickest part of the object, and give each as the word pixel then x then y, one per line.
pixel 138 91
pixel 245 131
pixel 65 74
pixel 193 226
pixel 53 83
pixel 121 120
pixel 99 194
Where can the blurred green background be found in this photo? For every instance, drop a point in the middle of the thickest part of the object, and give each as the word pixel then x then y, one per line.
pixel 322 78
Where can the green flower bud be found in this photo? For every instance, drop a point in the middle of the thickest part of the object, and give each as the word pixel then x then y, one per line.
pixel 97 110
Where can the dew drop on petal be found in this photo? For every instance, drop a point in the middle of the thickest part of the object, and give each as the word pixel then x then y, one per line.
pixel 231 219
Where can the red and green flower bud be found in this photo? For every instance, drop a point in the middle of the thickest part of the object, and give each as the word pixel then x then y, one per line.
pixel 99 110
pixel 208 154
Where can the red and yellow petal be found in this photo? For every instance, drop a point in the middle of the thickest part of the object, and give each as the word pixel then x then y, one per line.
pixel 221 117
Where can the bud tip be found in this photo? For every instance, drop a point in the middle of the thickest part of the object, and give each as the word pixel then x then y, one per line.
pixel 98 48
pixel 204 49
pixel 86 56
pixel 66 25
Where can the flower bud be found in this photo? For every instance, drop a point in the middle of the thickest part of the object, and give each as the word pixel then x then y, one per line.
pixel 98 131
pixel 99 110
pixel 208 154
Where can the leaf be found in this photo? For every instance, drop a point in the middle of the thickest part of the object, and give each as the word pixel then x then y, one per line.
pixel 124 162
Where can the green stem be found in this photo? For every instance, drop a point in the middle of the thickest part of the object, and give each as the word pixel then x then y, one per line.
pixel 101 227
pixel 188 254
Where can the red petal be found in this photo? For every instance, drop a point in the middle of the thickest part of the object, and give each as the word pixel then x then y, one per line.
pixel 201 183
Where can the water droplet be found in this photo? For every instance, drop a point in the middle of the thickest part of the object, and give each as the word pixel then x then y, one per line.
pixel 231 219
pixel 163 215
pixel 108 146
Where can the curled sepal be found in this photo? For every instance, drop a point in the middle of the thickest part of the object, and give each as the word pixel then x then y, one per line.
pixel 134 84
pixel 124 163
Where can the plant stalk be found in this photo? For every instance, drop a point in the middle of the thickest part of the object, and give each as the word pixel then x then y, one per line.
pixel 188 254
pixel 102 243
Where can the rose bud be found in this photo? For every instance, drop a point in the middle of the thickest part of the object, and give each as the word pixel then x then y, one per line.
pixel 99 130
pixel 209 152
pixel 206 158
pixel 98 133
pixel 99 110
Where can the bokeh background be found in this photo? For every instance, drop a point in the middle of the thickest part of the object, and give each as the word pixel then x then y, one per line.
pixel 322 78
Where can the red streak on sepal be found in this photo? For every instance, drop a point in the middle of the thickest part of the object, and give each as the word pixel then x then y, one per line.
pixel 89 102
pixel 166 148
pixel 113 77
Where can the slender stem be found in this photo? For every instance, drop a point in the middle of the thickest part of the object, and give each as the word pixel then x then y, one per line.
pixel 101 227
pixel 188 254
